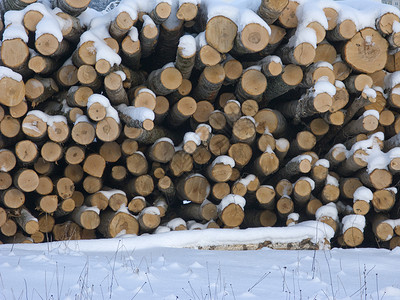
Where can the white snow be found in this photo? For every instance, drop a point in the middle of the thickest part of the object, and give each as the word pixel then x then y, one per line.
pixel 331 180
pixel 39 114
pixel 324 86
pixel 164 139
pixel 392 189
pixel 328 210
pixel 370 93
pixel 282 143
pixel 309 12
pixel 322 162
pixel 148 91
pixel 7 72
pixel 133 34
pixel 357 221
pixel 303 35
pixel 300 158
pixel 371 112
pixel 176 222
pixel 293 216
pixel 223 159
pixel 81 118
pixel 152 267
pixel 363 193
pixel 136 113
pixel 247 17
pixel 121 74
pixel 229 199
pixel 97 98
pixel 151 210
pixel 56 119
pixel 187 44
pixel 193 137
pixel 339 84
pixel 108 194
pixel 247 180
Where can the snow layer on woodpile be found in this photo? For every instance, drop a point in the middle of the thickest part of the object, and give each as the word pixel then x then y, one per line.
pixel 191 137
pixel 136 113
pixel 363 193
pixel 318 232
pixel 187 44
pixel 357 221
pixel 7 72
pixel 328 210
pixel 229 199
pixel 223 159
pixel 110 193
pixel 322 162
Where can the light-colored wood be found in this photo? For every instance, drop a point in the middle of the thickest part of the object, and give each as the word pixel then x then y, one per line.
pixel 67 231
pixel 9 228
pixel 12 198
pixel 209 83
pixel 131 51
pixel 111 151
pixel 161 12
pixel 302 191
pixel 94 165
pixel 383 200
pixel 244 131
pixel 220 33
pixel 187 11
pixel 271 120
pixel 15 54
pixel 164 81
pixel 270 11
pixel 343 31
pixel 73 7
pixel 112 223
pixel 161 151
pixel 291 76
pixel 382 230
pixel 27 222
pixel 251 85
pixel 121 25
pixel 26 180
pixel 48 203
pixel 233 70
pixel 206 211
pixel 325 52
pixel 149 219
pixel 194 188
pixel 86 217
pixel 5 180
pixel 113 85
pixel 92 184
pixel 252 37
pixel 64 187
pixel 266 164
pixel 373 57
pixel 241 154
pixel 181 111
pixel 284 206
pixel 288 18
pixel 74 172
pixel 142 185
pixel 51 152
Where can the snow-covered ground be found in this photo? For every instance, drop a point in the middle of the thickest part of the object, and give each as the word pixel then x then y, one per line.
pixel 136 268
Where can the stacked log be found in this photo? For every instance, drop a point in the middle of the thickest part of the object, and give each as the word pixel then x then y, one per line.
pixel 178 116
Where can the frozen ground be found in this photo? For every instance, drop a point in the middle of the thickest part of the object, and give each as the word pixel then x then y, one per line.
pixel 136 268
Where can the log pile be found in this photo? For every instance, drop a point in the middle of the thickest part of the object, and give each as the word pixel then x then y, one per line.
pixel 180 115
